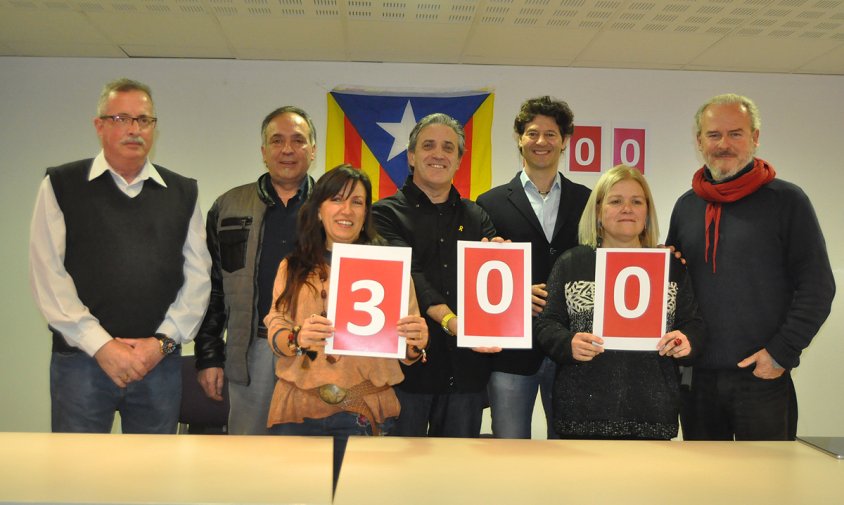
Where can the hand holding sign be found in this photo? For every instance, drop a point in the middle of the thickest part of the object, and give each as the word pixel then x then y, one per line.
pixel 315 329
pixel 414 329
pixel 674 344
pixel 585 346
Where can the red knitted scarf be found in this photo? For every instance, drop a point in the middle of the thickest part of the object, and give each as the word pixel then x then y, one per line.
pixel 715 194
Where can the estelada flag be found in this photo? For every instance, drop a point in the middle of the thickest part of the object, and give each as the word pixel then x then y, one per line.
pixel 369 130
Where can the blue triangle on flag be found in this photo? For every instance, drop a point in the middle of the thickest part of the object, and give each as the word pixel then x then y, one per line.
pixel 365 111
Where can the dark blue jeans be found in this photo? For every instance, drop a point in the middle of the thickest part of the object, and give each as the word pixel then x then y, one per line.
pixel 512 398
pixel 84 399
pixel 455 415
pixel 736 405
pixel 341 426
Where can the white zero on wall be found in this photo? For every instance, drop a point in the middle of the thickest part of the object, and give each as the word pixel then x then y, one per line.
pixel 377 318
pixel 506 287
pixel 644 290
pixel 633 146
pixel 590 151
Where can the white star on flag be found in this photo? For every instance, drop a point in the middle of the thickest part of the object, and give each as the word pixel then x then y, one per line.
pixel 400 131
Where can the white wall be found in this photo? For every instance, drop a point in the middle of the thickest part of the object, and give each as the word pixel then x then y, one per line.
pixel 210 113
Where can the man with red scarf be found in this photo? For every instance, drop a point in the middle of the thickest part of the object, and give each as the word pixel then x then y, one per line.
pixel 761 275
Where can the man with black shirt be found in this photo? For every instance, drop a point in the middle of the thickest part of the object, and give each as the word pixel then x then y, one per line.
pixel 251 228
pixel 446 395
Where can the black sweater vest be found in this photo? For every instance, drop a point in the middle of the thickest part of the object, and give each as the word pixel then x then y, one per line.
pixel 124 254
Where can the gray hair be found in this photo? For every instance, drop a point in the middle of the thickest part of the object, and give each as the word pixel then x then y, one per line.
pixel 438 118
pixel 119 86
pixel 284 110
pixel 728 99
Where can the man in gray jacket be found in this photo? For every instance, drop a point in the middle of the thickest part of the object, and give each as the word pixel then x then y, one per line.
pixel 251 228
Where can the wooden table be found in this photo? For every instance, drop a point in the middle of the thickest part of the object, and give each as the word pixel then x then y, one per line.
pixel 152 469
pixel 172 469
pixel 485 471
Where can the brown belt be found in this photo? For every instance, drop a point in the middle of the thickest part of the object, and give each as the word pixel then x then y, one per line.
pixel 350 399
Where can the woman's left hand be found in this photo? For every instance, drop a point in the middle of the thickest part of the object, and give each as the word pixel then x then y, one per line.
pixel 674 344
pixel 315 329
pixel 415 331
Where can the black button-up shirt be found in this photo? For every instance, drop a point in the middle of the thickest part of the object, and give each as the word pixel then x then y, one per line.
pixel 277 240
pixel 410 219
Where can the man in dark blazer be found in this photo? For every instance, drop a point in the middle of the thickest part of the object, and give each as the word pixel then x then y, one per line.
pixel 542 207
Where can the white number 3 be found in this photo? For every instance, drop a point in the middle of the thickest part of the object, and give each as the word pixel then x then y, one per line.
pixel 377 318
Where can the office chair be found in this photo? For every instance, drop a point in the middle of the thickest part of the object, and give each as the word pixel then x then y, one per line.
pixel 198 413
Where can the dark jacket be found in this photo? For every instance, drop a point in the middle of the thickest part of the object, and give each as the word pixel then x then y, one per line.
pixel 234 232
pixel 514 219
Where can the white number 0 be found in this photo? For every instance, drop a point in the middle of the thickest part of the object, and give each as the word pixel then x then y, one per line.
pixel 644 291
pixel 377 318
pixel 506 287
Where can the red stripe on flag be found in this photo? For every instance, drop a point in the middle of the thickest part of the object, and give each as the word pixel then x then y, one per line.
pixel 463 177
pixel 386 187
pixel 352 156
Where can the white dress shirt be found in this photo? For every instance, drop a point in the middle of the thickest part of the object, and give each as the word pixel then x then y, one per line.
pixel 54 289
pixel 545 207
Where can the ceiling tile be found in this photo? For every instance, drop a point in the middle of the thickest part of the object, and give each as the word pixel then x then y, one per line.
pixel 827 63
pixel 141 28
pixel 412 41
pixel 625 48
pixel 762 54
pixel 284 38
pixel 41 27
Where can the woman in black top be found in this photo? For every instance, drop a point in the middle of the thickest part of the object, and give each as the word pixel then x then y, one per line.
pixel 615 394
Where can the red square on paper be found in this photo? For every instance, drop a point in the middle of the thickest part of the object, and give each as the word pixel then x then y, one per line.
pixel 368 304
pixel 500 269
pixel 585 147
pixel 629 147
pixel 635 293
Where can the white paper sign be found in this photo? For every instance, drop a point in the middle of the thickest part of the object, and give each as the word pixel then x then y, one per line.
pixel 493 294
pixel 369 291
pixel 631 297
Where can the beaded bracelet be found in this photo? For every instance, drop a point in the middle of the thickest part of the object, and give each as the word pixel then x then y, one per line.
pixel 273 343
pixel 293 341
pixel 418 351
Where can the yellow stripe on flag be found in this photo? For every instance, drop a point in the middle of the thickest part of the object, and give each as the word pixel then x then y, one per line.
pixel 482 148
pixel 335 146
pixel 371 168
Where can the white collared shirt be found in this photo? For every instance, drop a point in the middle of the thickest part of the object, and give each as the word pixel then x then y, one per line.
pixel 54 289
pixel 545 207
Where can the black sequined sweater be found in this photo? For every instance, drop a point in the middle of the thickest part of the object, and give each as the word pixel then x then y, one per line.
pixel 619 394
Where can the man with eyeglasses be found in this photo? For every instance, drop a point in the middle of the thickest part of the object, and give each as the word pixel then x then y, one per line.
pixel 542 207
pixel 251 228
pixel 120 270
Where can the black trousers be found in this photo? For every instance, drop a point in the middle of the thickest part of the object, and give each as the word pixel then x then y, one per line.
pixel 736 405
pixel 451 415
